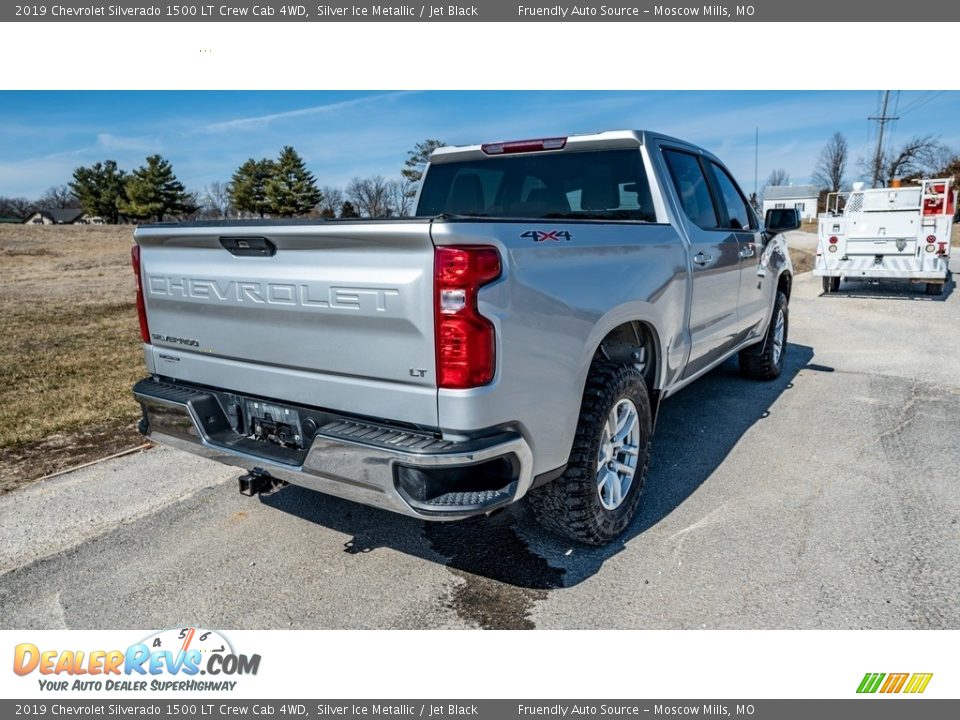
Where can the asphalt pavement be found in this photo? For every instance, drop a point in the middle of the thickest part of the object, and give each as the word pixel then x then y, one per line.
pixel 825 499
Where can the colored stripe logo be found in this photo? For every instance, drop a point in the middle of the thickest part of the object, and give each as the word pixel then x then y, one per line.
pixel 914 683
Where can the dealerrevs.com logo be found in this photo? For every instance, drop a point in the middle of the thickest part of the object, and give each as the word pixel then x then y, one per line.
pixel 892 683
pixel 168 660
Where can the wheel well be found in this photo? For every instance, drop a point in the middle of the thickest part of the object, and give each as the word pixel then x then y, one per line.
pixel 632 343
pixel 785 284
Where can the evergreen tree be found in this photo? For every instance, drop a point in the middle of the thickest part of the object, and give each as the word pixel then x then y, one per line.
pixel 152 191
pixel 100 189
pixel 415 163
pixel 248 187
pixel 292 189
pixel 347 210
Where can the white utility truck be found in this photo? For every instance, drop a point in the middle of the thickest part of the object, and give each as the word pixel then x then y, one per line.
pixel 899 233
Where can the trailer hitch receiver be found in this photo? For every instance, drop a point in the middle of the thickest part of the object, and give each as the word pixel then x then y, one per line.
pixel 259 482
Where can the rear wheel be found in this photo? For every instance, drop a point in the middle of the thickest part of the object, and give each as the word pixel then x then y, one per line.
pixel 764 361
pixel 935 288
pixel 599 493
pixel 830 285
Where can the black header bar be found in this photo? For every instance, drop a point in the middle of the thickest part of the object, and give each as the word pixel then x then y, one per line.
pixel 858 11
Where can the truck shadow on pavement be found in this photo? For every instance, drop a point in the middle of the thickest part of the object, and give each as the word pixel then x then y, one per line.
pixel 696 431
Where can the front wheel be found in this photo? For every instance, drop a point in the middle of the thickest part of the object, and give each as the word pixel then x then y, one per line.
pixel 599 493
pixel 764 361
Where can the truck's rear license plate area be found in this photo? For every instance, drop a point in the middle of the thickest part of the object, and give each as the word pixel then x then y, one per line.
pixel 274 424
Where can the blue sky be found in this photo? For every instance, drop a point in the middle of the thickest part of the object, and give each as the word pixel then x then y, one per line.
pixel 206 134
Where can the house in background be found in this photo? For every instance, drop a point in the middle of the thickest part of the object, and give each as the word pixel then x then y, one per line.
pixel 65 216
pixel 802 197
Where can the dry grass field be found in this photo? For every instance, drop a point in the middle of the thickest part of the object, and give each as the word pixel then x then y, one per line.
pixel 69 348
pixel 802 260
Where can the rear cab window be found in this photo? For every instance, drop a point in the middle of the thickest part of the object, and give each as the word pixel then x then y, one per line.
pixel 692 188
pixel 739 216
pixel 588 185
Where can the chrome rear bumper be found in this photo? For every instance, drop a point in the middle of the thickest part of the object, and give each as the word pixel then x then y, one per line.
pixel 359 461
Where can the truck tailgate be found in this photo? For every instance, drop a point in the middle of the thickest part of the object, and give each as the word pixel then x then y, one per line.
pixel 266 309
pixel 886 233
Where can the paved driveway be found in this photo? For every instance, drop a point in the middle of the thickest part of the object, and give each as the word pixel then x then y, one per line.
pixel 826 499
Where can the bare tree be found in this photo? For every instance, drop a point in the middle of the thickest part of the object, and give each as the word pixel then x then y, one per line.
pixel 832 164
pixel 17 207
pixel 951 169
pixel 332 201
pixel 216 199
pixel 58 197
pixel 778 176
pixel 372 197
pixel 919 156
pixel 401 199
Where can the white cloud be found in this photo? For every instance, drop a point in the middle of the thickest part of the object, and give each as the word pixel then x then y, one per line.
pixel 260 121
pixel 114 143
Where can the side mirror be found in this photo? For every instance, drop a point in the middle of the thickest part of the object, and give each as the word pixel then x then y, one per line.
pixel 778 220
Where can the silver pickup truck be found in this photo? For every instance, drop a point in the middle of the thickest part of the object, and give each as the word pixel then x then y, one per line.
pixel 513 339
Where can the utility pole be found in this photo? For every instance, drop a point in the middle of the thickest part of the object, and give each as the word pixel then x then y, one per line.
pixel 754 200
pixel 882 121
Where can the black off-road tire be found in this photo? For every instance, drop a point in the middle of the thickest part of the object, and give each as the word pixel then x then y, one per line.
pixel 830 284
pixel 570 505
pixel 757 361
pixel 935 288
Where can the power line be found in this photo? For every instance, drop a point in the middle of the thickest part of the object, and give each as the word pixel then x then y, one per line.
pixel 920 98
pixel 917 105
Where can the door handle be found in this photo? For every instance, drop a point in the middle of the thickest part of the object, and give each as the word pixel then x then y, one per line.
pixel 701 259
pixel 747 252
pixel 249 246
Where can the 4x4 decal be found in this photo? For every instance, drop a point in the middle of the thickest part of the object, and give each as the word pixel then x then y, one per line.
pixel 547 235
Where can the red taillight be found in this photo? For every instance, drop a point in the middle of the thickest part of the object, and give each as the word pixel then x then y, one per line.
pixel 466 344
pixel 141 308
pixel 833 240
pixel 521 146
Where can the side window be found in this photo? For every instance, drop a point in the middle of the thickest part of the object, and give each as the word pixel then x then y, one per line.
pixel 737 211
pixel 692 189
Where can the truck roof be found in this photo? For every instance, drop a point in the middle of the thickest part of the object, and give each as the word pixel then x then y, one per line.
pixel 608 140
